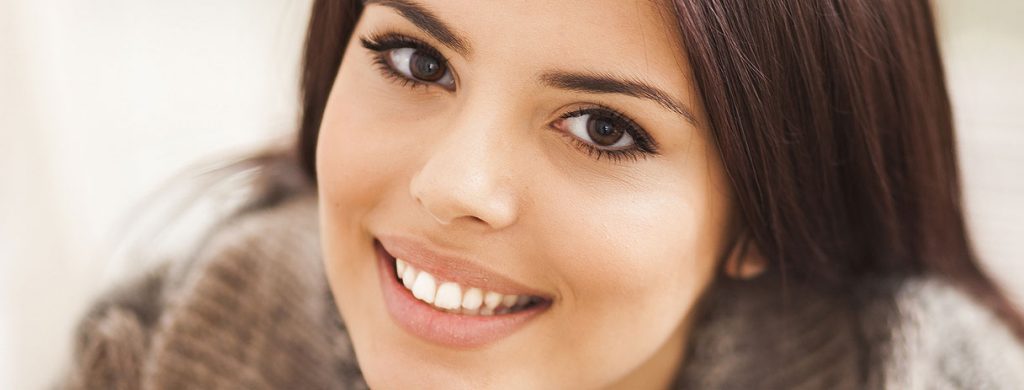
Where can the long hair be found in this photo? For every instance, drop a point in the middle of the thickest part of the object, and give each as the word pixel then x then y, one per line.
pixel 831 118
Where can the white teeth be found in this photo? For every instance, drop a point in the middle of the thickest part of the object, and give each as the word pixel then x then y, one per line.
pixel 424 287
pixel 473 299
pixel 400 266
pixel 408 277
pixel 508 300
pixel 449 296
pixel 492 300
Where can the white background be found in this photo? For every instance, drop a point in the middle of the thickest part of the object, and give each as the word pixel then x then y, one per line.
pixel 103 100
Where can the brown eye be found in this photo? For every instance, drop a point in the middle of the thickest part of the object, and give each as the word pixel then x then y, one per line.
pixel 426 68
pixel 596 128
pixel 603 131
pixel 415 64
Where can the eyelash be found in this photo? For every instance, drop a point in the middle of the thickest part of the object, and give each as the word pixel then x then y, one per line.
pixel 644 147
pixel 380 44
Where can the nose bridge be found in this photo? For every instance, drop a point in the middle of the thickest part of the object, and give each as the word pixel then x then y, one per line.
pixel 467 174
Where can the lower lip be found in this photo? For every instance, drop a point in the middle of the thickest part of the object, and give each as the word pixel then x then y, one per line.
pixel 451 330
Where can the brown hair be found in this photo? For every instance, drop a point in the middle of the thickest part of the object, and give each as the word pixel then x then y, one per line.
pixel 833 123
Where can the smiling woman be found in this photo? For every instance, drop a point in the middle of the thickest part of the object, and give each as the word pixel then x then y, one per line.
pixel 519 140
pixel 589 194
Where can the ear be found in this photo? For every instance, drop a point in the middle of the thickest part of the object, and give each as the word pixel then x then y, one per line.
pixel 745 261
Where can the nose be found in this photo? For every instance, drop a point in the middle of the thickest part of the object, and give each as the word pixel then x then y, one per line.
pixel 467 176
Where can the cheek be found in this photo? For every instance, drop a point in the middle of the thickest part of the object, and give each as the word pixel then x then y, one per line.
pixel 361 142
pixel 355 170
pixel 372 134
pixel 635 260
pixel 653 247
pixel 650 247
pixel 343 174
pixel 346 166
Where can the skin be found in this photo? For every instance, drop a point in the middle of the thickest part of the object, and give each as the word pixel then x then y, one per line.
pixel 625 248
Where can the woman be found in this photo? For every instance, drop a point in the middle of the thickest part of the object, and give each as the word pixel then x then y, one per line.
pixel 589 194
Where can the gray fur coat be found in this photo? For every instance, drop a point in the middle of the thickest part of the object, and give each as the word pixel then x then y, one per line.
pixel 250 309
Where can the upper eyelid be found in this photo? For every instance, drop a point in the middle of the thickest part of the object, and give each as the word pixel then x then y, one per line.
pixel 389 38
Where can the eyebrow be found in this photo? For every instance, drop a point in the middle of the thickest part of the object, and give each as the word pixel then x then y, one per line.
pixel 603 83
pixel 581 82
pixel 428 22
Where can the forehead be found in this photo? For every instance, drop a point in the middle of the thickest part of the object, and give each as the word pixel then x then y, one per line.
pixel 628 37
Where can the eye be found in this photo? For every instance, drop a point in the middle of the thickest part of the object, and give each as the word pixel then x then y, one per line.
pixel 603 132
pixel 410 61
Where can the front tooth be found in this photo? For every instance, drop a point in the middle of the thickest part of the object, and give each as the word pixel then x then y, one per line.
pixel 473 299
pixel 508 300
pixel 424 287
pixel 492 300
pixel 408 276
pixel 449 296
pixel 400 266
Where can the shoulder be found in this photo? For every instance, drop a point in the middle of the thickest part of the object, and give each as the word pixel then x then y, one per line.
pixel 943 338
pixel 248 308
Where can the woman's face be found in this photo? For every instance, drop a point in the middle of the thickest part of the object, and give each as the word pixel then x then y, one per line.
pixel 539 170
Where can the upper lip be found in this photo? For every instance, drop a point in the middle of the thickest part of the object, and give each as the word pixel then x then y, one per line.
pixel 450 267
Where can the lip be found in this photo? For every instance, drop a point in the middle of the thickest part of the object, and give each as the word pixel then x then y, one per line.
pixel 451 268
pixel 447 329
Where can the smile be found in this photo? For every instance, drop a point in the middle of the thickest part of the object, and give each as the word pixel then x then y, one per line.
pixel 449 301
pixel 452 297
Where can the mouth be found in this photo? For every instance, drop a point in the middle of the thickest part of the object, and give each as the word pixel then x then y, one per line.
pixel 451 297
pixel 448 301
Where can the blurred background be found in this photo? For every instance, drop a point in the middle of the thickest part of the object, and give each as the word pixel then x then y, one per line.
pixel 103 101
